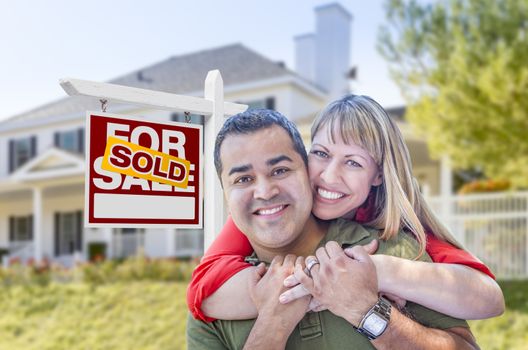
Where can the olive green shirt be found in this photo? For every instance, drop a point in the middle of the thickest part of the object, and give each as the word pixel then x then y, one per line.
pixel 323 330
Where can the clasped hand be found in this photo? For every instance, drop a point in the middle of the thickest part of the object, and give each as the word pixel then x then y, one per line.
pixel 345 285
pixel 383 268
pixel 266 285
pixel 344 282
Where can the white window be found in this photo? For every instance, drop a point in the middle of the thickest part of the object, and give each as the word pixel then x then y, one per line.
pixel 20 151
pixel 127 241
pixel 189 242
pixel 68 140
pixel 68 233
pixel 71 140
pixel 20 228
pixel 268 103
pixel 256 104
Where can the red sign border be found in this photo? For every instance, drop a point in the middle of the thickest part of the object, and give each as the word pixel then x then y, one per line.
pixel 131 222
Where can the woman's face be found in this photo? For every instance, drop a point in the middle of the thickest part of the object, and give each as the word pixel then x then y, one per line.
pixel 341 176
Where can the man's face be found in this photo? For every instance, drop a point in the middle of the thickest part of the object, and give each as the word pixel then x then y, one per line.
pixel 266 186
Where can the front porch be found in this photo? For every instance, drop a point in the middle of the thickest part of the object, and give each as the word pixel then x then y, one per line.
pixel 122 243
pixel 41 217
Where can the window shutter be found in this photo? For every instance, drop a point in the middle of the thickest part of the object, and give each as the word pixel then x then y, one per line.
pixel 78 241
pixel 56 224
pixel 56 139
pixel 11 155
pixel 80 139
pixel 30 228
pixel 33 146
pixel 11 228
pixel 270 103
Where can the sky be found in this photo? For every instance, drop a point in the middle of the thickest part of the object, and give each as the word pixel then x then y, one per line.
pixel 43 41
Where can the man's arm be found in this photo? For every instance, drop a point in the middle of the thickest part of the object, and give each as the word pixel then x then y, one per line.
pixel 275 321
pixel 223 259
pixel 408 334
pixel 231 301
pixel 268 332
pixel 335 278
pixel 202 336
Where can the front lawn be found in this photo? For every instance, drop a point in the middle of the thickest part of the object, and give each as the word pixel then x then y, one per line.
pixel 141 305
pixel 509 331
pixel 131 315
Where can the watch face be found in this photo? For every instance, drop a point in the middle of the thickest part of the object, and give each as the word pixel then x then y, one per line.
pixel 375 324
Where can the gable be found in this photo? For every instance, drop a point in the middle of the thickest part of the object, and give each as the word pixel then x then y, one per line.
pixel 49 165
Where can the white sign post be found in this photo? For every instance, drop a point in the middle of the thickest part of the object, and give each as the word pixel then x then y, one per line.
pixel 212 106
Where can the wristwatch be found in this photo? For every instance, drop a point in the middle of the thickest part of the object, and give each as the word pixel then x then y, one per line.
pixel 375 322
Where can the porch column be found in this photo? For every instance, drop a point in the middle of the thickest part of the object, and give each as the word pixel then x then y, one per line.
pixel 446 177
pixel 171 242
pixel 37 223
pixel 446 194
pixel 107 234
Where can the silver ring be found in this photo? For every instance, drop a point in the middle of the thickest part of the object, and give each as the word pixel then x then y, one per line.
pixel 310 265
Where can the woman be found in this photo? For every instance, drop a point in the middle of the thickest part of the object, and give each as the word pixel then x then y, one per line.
pixel 360 170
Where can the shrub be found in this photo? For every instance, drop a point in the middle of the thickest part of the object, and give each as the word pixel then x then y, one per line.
pixel 136 268
pixel 480 186
pixel 96 251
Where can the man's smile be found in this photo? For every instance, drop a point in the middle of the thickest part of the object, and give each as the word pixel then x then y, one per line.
pixel 270 211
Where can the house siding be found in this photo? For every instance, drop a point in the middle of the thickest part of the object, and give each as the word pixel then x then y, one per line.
pixel 68 198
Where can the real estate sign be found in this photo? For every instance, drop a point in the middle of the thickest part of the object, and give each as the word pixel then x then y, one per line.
pixel 142 173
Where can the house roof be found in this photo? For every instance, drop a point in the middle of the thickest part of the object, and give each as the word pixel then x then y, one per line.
pixel 180 74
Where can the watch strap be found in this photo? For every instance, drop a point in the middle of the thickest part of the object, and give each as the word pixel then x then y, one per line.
pixel 382 308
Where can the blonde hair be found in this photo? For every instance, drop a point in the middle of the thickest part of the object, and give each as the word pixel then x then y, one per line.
pixel 398 202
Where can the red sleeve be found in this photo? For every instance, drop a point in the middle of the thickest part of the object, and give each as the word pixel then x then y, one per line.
pixel 230 241
pixel 223 259
pixel 443 252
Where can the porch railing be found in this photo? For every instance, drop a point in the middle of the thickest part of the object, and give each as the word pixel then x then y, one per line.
pixel 21 250
pixel 494 227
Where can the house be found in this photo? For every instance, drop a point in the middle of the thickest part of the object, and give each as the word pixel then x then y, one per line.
pixel 42 151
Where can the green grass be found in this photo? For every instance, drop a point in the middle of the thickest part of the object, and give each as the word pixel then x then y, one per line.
pixel 151 315
pixel 132 315
pixel 509 331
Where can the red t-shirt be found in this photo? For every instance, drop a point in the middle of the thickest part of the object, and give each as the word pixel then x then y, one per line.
pixel 225 257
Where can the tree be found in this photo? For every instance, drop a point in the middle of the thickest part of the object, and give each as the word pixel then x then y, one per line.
pixel 462 67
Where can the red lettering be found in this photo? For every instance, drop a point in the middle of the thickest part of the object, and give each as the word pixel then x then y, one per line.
pixel 120 156
pixel 136 162
pixel 157 168
pixel 142 163
pixel 173 166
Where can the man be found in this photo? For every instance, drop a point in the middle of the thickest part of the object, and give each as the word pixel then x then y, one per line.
pixel 262 165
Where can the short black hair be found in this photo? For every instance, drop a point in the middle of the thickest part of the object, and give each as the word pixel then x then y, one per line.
pixel 253 120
